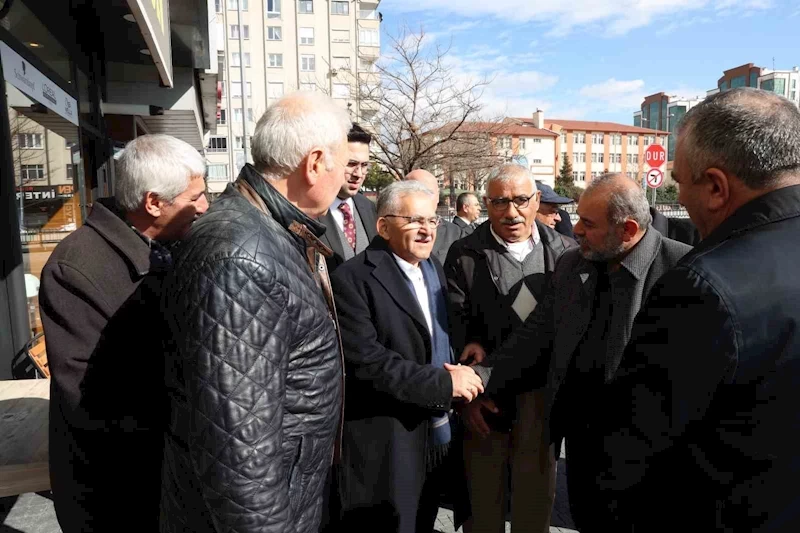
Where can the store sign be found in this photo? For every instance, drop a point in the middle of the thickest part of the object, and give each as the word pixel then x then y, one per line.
pixel 25 77
pixel 46 192
pixel 152 16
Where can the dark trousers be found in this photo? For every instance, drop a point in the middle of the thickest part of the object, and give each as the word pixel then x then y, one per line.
pixel 587 504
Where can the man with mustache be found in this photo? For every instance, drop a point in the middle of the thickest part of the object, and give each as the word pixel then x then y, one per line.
pixel 350 221
pixel 496 277
pixel 401 381
pixel 572 344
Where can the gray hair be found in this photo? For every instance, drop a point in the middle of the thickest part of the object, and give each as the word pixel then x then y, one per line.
pixel 624 202
pixel 509 172
pixel 753 134
pixel 160 164
pixel 390 197
pixel 292 127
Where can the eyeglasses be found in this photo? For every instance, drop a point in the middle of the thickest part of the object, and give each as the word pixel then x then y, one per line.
pixel 418 222
pixel 501 204
pixel 352 166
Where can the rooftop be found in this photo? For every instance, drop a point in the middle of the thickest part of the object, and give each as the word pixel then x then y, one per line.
pixel 604 127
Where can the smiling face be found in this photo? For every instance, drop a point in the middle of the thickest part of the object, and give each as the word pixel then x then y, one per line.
pixel 512 223
pixel 411 242
pixel 356 170
pixel 175 218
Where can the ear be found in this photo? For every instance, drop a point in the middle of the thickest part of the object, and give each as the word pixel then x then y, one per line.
pixel 153 204
pixel 629 230
pixel 383 228
pixel 718 189
pixel 314 166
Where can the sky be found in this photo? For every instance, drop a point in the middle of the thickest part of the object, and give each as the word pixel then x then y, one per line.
pixel 597 59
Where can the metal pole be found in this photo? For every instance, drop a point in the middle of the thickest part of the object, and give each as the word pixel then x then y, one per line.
pixel 242 80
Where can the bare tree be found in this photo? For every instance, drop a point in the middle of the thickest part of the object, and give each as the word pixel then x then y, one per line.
pixel 425 116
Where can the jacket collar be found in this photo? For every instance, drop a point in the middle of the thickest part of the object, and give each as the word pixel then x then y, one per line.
pixel 283 212
pixel 108 220
pixel 773 206
pixel 481 240
pixel 639 259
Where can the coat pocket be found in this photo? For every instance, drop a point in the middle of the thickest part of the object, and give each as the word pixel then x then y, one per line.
pixel 295 473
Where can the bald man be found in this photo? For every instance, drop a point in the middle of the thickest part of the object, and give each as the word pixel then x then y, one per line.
pixel 447 233
pixel 578 333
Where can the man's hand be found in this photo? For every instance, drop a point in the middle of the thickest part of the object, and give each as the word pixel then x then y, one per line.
pixel 466 383
pixel 473 415
pixel 474 353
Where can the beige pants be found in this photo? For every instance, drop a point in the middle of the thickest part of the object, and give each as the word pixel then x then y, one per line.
pixel 533 474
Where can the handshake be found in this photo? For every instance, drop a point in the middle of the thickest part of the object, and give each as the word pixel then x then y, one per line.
pixel 466 383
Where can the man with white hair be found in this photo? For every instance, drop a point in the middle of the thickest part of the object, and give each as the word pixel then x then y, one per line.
pixel 255 380
pixel 401 380
pixel 101 315
pixel 447 233
pixel 496 277
pixel 572 344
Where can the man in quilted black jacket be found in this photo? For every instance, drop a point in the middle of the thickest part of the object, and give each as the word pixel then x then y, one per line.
pixel 255 377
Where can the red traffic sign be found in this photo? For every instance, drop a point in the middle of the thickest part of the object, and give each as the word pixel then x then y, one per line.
pixel 655 156
pixel 655 178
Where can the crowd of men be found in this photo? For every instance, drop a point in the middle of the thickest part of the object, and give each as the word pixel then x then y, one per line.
pixel 297 358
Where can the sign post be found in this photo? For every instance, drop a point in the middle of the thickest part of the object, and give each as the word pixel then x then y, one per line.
pixel 655 157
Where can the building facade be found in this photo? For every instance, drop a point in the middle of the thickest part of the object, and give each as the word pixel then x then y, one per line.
pixel 81 79
pixel 269 48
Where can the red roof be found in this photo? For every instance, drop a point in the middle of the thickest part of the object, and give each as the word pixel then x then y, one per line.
pixel 498 129
pixel 590 126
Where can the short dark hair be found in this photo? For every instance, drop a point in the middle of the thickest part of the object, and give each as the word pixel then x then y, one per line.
pixel 750 133
pixel 461 201
pixel 357 134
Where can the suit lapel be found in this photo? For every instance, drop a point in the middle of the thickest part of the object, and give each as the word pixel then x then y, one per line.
pixel 388 274
pixel 331 236
pixel 366 210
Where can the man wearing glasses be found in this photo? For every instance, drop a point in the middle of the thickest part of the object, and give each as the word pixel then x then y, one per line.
pixel 496 277
pixel 401 380
pixel 350 221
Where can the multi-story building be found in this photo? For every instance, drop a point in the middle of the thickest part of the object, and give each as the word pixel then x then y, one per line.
pixel 597 147
pixel 782 82
pixel 278 47
pixel 662 112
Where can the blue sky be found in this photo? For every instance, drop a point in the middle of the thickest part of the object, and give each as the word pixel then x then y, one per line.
pixel 597 59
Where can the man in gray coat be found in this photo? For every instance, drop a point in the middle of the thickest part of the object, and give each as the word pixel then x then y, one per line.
pixel 579 331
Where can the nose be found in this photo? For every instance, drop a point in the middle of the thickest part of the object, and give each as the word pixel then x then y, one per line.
pixel 578 228
pixel 202 205
pixel 557 216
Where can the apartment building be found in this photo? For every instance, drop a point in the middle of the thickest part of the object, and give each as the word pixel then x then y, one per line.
pixel 269 48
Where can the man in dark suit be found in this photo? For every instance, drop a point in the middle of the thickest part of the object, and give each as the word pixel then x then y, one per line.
pixel 447 233
pixel 468 209
pixel 350 221
pixel 107 398
pixel 495 278
pixel 392 306
pixel 677 229
pixel 573 342
pixel 708 394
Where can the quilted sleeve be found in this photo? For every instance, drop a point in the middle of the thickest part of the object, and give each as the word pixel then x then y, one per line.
pixel 233 329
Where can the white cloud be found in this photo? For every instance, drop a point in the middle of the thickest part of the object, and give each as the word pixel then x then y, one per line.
pixel 615 95
pixel 564 16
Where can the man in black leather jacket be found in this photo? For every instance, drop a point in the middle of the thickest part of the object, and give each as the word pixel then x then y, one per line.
pixel 255 378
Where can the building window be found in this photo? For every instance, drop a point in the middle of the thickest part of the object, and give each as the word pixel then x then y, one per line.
pixel 504 142
pixel 633 140
pixel 217 172
pixel 236 89
pixel 780 86
pixel 275 89
pixel 579 138
pixel 276 60
pixel 617 158
pixel 305 6
pixel 307 63
pixel 222 119
pixel 238 142
pixel 250 115
pixel 340 36
pixel 219 5
pixel 236 59
pixel 597 138
pixel 579 157
pixel 234 29
pixel 341 90
pixel 633 158
pixel 306 35
pixel 738 81
pixel 582 175
pixel 564 138
pixel 341 63
pixel 29 140
pixel 368 37
pixel 537 140
pixel 575 175
pixel 218 144
pixel 522 143
pixel 537 161
pixel 237 114
pixel 273 9
pixel 308 86
pixel 340 8
pixel 31 172
pixel 367 64
pixel 233 5
pixel 367 11
pixel 273 33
